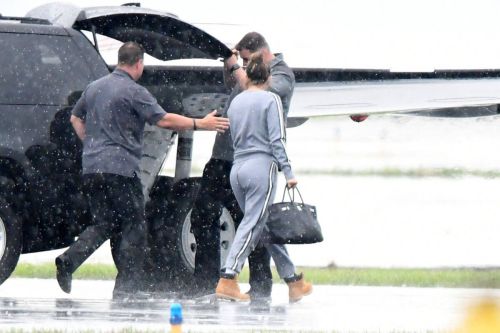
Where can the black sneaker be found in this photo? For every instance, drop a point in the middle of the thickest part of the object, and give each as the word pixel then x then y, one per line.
pixel 259 292
pixel 194 293
pixel 259 297
pixel 63 275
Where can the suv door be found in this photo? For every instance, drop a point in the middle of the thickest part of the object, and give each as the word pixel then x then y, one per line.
pixel 43 71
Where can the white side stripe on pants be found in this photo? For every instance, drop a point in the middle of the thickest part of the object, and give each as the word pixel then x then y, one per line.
pixel 263 211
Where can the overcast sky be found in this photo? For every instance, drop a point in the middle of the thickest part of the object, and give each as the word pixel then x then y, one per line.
pixel 389 34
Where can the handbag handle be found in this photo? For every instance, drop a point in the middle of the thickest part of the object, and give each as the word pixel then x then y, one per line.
pixel 291 196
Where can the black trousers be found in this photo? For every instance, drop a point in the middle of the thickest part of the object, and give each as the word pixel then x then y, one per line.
pixel 117 208
pixel 215 193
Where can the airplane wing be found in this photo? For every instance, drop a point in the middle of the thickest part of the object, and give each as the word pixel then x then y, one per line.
pixel 432 97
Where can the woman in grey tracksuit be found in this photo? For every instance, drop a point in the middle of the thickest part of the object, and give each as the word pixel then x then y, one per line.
pixel 258 134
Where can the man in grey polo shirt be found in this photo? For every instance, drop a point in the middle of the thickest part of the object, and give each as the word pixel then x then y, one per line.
pixel 215 190
pixel 109 118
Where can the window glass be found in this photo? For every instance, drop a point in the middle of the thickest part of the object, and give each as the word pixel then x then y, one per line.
pixel 40 69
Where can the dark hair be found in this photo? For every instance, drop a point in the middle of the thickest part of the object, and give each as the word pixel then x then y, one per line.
pixel 252 41
pixel 130 53
pixel 257 71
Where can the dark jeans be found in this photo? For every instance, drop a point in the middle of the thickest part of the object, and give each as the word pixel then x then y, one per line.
pixel 117 207
pixel 215 193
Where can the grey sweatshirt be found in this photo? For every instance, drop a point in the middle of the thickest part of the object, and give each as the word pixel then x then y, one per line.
pixel 282 83
pixel 258 126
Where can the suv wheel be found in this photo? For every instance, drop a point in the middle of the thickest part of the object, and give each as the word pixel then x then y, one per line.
pixel 188 242
pixel 10 240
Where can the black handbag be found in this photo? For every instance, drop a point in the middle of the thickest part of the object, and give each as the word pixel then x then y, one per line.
pixel 293 222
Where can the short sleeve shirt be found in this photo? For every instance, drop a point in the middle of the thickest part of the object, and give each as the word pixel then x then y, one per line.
pixel 115 110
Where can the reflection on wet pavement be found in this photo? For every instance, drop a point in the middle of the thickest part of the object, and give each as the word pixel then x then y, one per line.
pixel 152 313
pixel 40 304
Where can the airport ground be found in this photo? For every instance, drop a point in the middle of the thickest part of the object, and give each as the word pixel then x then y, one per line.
pixel 30 305
pixel 391 192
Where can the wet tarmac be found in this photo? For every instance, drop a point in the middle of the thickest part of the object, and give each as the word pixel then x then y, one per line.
pixel 38 303
pixel 367 221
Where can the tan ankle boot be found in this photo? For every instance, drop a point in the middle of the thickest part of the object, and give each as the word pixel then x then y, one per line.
pixel 229 289
pixel 298 289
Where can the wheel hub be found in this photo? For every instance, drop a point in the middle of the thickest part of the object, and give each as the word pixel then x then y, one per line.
pixel 227 231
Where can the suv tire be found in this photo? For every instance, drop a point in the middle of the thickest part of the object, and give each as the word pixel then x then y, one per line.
pixel 10 240
pixel 173 246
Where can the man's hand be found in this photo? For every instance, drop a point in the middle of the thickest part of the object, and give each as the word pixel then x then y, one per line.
pixel 238 76
pixel 212 122
pixel 233 59
pixel 291 183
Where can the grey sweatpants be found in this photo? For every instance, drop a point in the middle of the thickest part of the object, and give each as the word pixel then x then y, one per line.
pixel 253 180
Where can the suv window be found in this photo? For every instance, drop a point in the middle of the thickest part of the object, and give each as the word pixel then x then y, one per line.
pixel 40 69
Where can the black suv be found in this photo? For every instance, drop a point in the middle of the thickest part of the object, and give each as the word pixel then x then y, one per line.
pixel 46 61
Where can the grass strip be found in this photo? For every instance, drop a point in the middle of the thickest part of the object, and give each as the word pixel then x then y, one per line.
pixel 445 277
pixel 48 271
pixel 393 172
pixel 407 173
